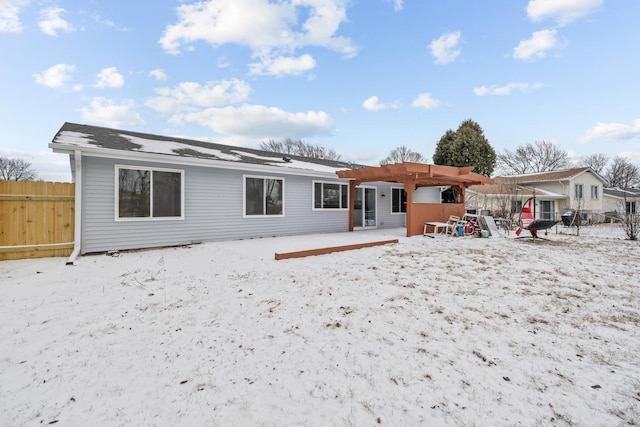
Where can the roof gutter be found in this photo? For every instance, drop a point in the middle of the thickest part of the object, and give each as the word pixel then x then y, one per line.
pixel 77 232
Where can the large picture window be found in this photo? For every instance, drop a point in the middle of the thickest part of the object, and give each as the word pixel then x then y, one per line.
pixel 148 193
pixel 398 200
pixel 330 195
pixel 263 196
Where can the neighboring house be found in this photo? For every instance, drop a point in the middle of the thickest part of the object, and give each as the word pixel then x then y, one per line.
pixel 556 192
pixel 136 190
pixel 617 202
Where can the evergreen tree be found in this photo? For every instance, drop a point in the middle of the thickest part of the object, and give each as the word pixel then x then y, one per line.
pixel 467 146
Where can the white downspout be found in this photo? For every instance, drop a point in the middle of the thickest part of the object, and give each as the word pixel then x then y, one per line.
pixel 77 232
pixel 568 194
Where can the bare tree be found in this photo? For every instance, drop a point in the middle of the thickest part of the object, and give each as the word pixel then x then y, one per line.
pixel 16 170
pixel 285 146
pixel 507 201
pixel 631 220
pixel 402 154
pixel 596 162
pixel 622 173
pixel 299 148
pixel 541 156
pixel 319 152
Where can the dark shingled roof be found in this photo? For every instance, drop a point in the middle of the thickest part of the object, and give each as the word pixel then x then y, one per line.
pixel 79 135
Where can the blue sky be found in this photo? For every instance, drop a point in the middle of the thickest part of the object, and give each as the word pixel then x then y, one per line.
pixel 361 76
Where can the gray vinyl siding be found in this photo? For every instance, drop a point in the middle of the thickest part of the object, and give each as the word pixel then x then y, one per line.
pixel 386 219
pixel 213 210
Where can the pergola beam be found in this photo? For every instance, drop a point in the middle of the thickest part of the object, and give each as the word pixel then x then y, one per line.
pixel 424 175
pixel 411 176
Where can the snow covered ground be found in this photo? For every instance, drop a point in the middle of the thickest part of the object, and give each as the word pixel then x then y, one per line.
pixel 444 331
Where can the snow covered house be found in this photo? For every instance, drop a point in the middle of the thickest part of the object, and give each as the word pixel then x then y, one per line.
pixel 137 190
pixel 556 193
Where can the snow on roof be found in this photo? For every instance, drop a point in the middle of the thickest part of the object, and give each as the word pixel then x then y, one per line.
pixel 69 137
pixel 288 162
pixel 78 136
pixel 174 147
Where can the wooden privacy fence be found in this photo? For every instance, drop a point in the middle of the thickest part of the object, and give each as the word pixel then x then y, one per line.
pixel 36 219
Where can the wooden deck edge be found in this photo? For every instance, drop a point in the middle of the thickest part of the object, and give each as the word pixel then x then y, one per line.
pixel 324 251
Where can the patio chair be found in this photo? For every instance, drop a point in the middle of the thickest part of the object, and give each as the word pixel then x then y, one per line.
pixel 453 224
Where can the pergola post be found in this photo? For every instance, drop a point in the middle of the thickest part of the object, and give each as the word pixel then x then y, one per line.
pixel 409 187
pixel 352 201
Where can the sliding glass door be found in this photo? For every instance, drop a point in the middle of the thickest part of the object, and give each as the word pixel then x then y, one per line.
pixel 364 212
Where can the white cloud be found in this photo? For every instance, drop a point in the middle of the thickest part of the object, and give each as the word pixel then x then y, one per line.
pixel 270 30
pixel 445 48
pixel 107 22
pixel 55 76
pixel 611 132
pixel 281 66
pixel 537 46
pixel 159 74
pixel 100 20
pixel 51 21
pixel 373 104
pixel 109 78
pixel 632 156
pixel 189 96
pixel 258 121
pixel 10 15
pixel 223 62
pixel 106 112
pixel 425 100
pixel 507 89
pixel 398 5
pixel 562 11
pixel 256 23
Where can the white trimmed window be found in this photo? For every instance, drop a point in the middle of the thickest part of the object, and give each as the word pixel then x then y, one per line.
pixel 398 200
pixel 149 193
pixel 263 196
pixel 594 192
pixel 330 195
pixel 578 191
pixel 630 207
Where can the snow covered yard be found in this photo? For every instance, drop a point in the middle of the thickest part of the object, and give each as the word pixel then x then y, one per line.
pixel 445 331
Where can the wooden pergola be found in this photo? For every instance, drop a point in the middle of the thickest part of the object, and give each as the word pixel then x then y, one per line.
pixel 413 176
